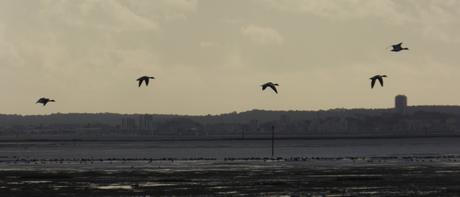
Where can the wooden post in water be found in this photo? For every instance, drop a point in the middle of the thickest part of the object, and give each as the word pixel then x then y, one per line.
pixel 273 141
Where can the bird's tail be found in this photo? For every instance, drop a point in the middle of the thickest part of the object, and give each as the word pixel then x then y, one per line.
pixel 51 101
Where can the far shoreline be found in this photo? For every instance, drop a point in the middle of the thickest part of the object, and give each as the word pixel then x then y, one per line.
pixel 159 139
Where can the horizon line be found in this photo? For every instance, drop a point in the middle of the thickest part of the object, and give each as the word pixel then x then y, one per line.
pixel 233 112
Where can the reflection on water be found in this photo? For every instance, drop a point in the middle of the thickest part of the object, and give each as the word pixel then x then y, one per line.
pixel 114 187
pixel 155 184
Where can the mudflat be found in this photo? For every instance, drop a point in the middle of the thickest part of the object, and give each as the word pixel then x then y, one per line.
pixel 328 177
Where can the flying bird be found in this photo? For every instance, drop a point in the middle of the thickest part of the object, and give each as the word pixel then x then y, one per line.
pixel 144 78
pixel 377 77
pixel 398 47
pixel 44 101
pixel 271 85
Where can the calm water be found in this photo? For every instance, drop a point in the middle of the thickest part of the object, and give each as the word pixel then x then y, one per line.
pixel 235 148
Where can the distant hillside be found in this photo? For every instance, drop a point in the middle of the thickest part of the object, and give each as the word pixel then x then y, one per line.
pixel 113 119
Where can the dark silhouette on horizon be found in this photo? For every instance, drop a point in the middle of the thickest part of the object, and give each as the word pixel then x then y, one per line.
pixel 377 77
pixel 271 85
pixel 398 47
pixel 402 120
pixel 44 101
pixel 144 78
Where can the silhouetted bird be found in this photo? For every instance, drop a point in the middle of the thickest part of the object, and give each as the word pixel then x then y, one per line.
pixel 146 79
pixel 398 47
pixel 45 101
pixel 271 85
pixel 377 77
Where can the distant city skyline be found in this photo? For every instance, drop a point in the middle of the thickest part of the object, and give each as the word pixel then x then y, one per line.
pixel 401 121
pixel 210 56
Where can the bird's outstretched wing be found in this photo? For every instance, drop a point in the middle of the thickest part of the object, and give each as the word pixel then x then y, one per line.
pixel 147 82
pixel 373 83
pixel 140 82
pixel 381 81
pixel 264 86
pixel 40 100
pixel 274 88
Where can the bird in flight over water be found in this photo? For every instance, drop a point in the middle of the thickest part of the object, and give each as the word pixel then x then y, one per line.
pixel 44 101
pixel 271 85
pixel 398 47
pixel 144 78
pixel 377 77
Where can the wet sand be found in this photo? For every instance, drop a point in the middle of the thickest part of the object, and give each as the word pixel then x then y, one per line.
pixel 369 177
pixel 396 167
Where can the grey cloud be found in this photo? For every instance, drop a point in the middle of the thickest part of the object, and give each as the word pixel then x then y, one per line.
pixel 262 35
pixel 87 53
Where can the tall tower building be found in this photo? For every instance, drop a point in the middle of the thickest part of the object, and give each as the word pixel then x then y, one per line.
pixel 401 103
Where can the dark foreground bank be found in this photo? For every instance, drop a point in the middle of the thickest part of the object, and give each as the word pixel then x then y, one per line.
pixel 388 177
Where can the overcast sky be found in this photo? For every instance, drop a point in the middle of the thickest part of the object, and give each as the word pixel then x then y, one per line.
pixel 210 56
